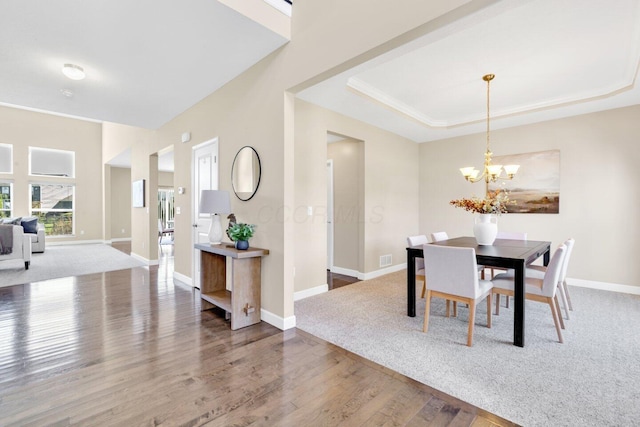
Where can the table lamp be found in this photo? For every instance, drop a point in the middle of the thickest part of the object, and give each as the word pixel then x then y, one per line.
pixel 215 202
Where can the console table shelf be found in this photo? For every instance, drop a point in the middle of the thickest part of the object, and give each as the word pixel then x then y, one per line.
pixel 242 302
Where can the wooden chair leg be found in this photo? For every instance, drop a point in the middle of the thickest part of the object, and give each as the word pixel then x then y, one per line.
pixel 489 311
pixel 455 309
pixel 557 304
pixel 427 308
pixel 497 304
pixel 446 314
pixel 424 288
pixel 566 292
pixel 472 319
pixel 507 302
pixel 555 318
pixel 565 303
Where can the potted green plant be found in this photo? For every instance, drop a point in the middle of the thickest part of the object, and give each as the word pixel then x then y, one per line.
pixel 241 233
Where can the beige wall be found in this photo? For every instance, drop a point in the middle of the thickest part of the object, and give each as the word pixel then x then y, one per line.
pixel 257 109
pixel 348 187
pixel 120 203
pixel 389 200
pixel 599 203
pixel 165 179
pixel 22 129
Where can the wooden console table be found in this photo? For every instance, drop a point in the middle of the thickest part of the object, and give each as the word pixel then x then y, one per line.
pixel 243 301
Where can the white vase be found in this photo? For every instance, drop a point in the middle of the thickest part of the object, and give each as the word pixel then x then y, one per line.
pixel 485 229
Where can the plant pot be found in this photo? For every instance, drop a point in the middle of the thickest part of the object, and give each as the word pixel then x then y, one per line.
pixel 485 229
pixel 242 245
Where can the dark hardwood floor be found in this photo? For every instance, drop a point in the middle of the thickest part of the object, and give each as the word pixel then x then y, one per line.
pixel 335 280
pixel 130 348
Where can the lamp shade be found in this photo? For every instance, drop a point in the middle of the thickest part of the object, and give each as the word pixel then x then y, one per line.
pixel 215 202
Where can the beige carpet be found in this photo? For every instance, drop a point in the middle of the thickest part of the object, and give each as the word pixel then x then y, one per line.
pixel 591 380
pixel 65 261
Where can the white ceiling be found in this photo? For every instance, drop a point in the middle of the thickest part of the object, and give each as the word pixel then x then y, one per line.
pixel 551 58
pixel 146 61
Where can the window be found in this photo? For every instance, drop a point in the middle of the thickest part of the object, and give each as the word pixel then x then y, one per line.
pixel 6 158
pixel 5 199
pixel 46 161
pixel 53 205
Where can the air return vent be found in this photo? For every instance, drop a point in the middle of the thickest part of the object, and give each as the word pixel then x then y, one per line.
pixel 385 261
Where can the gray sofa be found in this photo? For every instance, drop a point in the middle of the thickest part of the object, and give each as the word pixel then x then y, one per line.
pixel 32 228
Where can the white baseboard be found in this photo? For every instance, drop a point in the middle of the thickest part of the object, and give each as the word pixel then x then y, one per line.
pixel 382 272
pixel 603 286
pixel 144 260
pixel 345 271
pixel 310 292
pixel 121 239
pixel 277 321
pixel 370 275
pixel 52 242
pixel 185 280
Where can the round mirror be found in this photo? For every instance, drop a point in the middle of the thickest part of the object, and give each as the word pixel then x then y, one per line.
pixel 245 173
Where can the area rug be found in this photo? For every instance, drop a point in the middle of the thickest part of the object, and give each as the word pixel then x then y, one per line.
pixel 593 379
pixel 65 261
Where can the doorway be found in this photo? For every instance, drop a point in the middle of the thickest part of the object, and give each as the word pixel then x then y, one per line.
pixel 345 205
pixel 204 176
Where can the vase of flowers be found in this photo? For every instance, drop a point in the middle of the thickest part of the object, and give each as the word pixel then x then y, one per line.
pixel 485 228
pixel 241 233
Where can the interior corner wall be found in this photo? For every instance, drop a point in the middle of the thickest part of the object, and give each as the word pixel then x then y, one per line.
pixel 24 129
pixel 599 197
pixel 390 187
pixel 120 203
pixel 257 109
pixel 347 177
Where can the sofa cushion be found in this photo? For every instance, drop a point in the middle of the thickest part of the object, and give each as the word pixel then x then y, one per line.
pixel 12 221
pixel 30 224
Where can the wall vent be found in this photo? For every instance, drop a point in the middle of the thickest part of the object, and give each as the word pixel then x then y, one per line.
pixel 385 261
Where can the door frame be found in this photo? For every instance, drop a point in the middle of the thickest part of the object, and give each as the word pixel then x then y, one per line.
pixel 195 200
pixel 330 218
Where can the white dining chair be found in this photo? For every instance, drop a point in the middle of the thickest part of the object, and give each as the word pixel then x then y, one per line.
pixel 415 241
pixel 539 270
pixel 439 236
pixel 536 289
pixel 452 274
pixel 508 235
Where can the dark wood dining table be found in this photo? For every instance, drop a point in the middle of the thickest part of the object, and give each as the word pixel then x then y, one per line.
pixel 513 254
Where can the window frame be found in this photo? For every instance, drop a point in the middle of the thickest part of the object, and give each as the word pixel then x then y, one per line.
pixel 10 147
pixel 37 211
pixel 6 183
pixel 71 153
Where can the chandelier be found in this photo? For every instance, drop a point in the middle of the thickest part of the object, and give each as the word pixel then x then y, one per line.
pixel 491 172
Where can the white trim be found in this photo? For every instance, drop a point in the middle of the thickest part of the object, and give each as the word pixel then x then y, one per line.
pixel 50 241
pixel 277 321
pixel 370 275
pixel 603 286
pixel 119 239
pixel 297 296
pixel 143 259
pixel 346 271
pixel 281 5
pixel 382 271
pixel 177 277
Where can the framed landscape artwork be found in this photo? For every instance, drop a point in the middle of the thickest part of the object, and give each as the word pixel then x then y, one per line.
pixel 536 186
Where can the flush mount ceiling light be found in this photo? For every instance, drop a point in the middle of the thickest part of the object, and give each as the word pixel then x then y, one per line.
pixel 72 71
